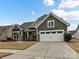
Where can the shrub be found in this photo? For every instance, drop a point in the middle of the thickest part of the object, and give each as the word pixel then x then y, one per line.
pixel 9 39
pixel 67 37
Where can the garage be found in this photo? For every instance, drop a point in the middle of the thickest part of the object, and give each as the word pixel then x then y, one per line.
pixel 52 35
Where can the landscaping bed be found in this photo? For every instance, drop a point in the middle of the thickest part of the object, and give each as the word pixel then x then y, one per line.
pixel 18 45
pixel 74 43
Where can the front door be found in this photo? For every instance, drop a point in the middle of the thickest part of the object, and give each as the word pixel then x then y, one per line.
pixel 15 36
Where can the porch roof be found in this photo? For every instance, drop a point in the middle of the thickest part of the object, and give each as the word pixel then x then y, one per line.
pixel 29 30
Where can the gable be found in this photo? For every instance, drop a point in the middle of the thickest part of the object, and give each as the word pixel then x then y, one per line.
pixel 58 24
pixel 16 28
pixel 41 19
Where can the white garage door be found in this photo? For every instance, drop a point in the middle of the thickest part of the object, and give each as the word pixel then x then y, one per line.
pixel 54 35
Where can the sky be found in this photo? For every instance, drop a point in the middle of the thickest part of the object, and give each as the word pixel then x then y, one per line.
pixel 19 11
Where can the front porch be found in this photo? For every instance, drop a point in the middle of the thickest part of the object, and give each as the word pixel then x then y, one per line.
pixel 29 36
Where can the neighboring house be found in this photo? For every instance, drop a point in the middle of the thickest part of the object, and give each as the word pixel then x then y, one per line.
pixel 10 32
pixel 75 34
pixel 48 27
pixel 3 32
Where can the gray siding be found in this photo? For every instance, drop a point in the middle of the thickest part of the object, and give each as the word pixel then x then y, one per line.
pixel 58 25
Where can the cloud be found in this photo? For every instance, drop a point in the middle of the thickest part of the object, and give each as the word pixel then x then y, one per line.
pixel 72 15
pixel 69 4
pixel 48 2
pixel 58 12
pixel 33 13
pixel 4 24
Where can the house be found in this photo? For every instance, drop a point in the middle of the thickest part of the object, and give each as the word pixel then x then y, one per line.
pixel 48 27
pixel 3 32
pixel 75 34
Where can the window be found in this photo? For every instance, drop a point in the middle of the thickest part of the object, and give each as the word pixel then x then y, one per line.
pixel 47 32
pixel 51 24
pixel 42 32
pixel 53 32
pixel 59 32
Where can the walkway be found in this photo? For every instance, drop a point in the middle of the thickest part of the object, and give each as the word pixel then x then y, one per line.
pixel 9 50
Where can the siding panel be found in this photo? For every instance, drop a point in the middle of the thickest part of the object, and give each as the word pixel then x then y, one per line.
pixel 58 24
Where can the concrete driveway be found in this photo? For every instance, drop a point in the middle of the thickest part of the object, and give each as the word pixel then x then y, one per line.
pixel 47 50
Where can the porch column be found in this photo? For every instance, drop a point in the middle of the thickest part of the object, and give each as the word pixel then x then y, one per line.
pixel 27 35
pixel 21 35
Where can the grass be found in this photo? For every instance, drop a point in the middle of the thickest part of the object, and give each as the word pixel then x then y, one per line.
pixel 4 54
pixel 74 44
pixel 18 45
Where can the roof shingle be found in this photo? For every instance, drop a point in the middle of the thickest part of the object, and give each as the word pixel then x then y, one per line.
pixel 38 21
pixel 26 25
pixel 5 29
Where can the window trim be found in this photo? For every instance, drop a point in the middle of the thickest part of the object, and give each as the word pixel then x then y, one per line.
pixel 51 26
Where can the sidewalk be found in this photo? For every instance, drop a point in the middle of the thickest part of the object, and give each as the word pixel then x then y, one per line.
pixel 9 50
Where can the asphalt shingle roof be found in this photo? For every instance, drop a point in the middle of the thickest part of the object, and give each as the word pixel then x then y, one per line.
pixel 5 29
pixel 26 25
pixel 74 31
pixel 38 21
